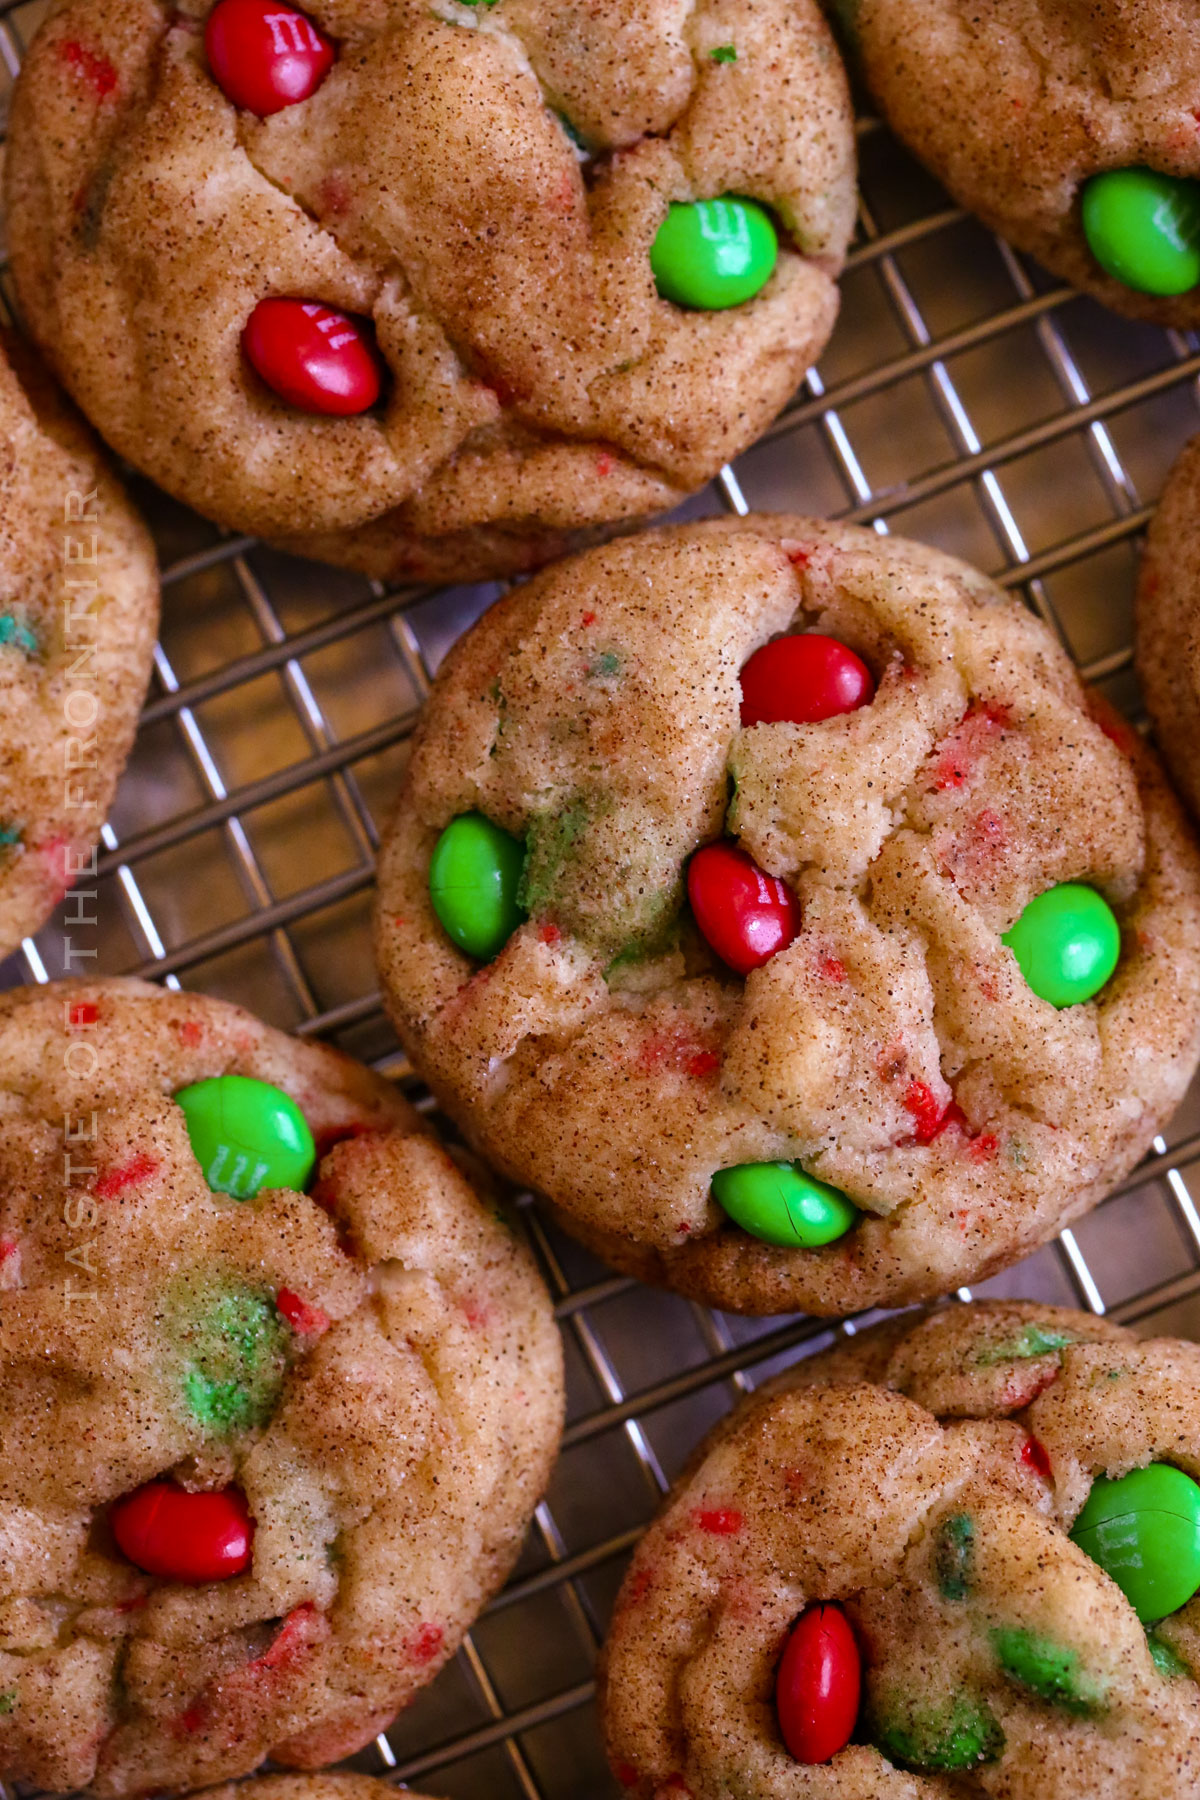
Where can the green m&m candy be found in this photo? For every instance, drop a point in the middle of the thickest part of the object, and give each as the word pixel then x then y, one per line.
pixel 247 1135
pixel 779 1203
pixel 474 878
pixel 1047 1669
pixel 1144 1531
pixel 1067 942
pixel 1144 229
pixel 710 254
pixel 960 1734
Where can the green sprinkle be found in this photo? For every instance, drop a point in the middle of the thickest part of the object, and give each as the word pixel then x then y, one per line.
pixel 9 834
pixel 233 1372
pixel 954 1555
pixel 723 53
pixel 1046 1669
pixel 1167 1661
pixel 608 662
pixel 8 1701
pixel 1033 1340
pixel 958 1735
pixel 13 631
pixel 573 133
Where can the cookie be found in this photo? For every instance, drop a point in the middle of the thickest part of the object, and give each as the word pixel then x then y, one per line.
pixel 328 1785
pixel 1167 622
pixel 958 1556
pixel 280 1394
pixel 1069 128
pixel 388 285
pixel 78 615
pixel 861 1064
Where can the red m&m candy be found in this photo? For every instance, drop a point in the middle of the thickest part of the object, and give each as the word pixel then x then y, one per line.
pixel 317 359
pixel 265 56
pixel 179 1536
pixel 802 679
pixel 818 1685
pixel 746 915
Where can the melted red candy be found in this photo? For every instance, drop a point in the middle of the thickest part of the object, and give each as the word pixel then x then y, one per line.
pixel 316 359
pixel 179 1536
pixel 746 915
pixel 265 56
pixel 802 679
pixel 818 1685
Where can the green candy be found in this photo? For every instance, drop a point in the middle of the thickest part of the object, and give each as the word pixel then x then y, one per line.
pixel 232 1377
pixel 1046 1669
pixel 1144 229
pixel 1030 1341
pixel 710 254
pixel 1144 1531
pixel 954 1556
pixel 1066 942
pixel 247 1135
pixel 474 878
pixel 959 1735
pixel 779 1203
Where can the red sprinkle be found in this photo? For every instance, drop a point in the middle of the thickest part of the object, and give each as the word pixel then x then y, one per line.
pixel 589 618
pixel 605 464
pixel 721 1521
pixel 425 1643
pixel 983 1146
pixel 8 1247
pixel 626 1774
pixel 550 934
pixel 115 1181
pixel 1033 1455
pixel 928 1115
pixel 306 1320
pixel 83 1012
pixel 703 1064
pixel 299 1632
pixel 832 969
pixel 96 70
pixel 190 1032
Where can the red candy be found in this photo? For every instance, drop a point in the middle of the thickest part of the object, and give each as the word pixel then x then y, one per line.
pixel 265 56
pixel 802 679
pixel 746 915
pixel 317 359
pixel 179 1536
pixel 818 1685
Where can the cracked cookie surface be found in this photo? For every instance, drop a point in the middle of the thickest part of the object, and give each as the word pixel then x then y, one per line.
pixel 78 614
pixel 1015 104
pixel 373 1365
pixel 893 1048
pixel 537 385
pixel 924 1479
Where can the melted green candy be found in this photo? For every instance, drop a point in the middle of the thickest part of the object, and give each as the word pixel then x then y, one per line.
pixel 1030 1341
pixel 1047 1669
pixel 959 1735
pixel 8 1701
pixel 954 1556
pixel 1167 1661
pixel 15 631
pixel 234 1362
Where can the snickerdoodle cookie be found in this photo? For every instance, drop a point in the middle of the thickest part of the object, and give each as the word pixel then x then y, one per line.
pixel 1168 624
pixel 78 614
pixel 959 1557
pixel 1069 126
pixel 936 983
pixel 279 1394
pixel 431 290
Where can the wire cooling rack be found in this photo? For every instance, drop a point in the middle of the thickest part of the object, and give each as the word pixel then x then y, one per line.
pixel 964 400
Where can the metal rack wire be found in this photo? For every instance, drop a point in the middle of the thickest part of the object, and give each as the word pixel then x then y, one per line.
pixel 964 400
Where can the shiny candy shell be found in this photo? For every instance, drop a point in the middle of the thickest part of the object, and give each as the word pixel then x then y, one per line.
pixel 779 1204
pixel 1143 229
pixel 710 254
pixel 802 679
pixel 818 1685
pixel 247 1135
pixel 746 915
pixel 1067 943
pixel 318 360
pixel 265 56
pixel 474 879
pixel 1144 1531
pixel 194 1538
